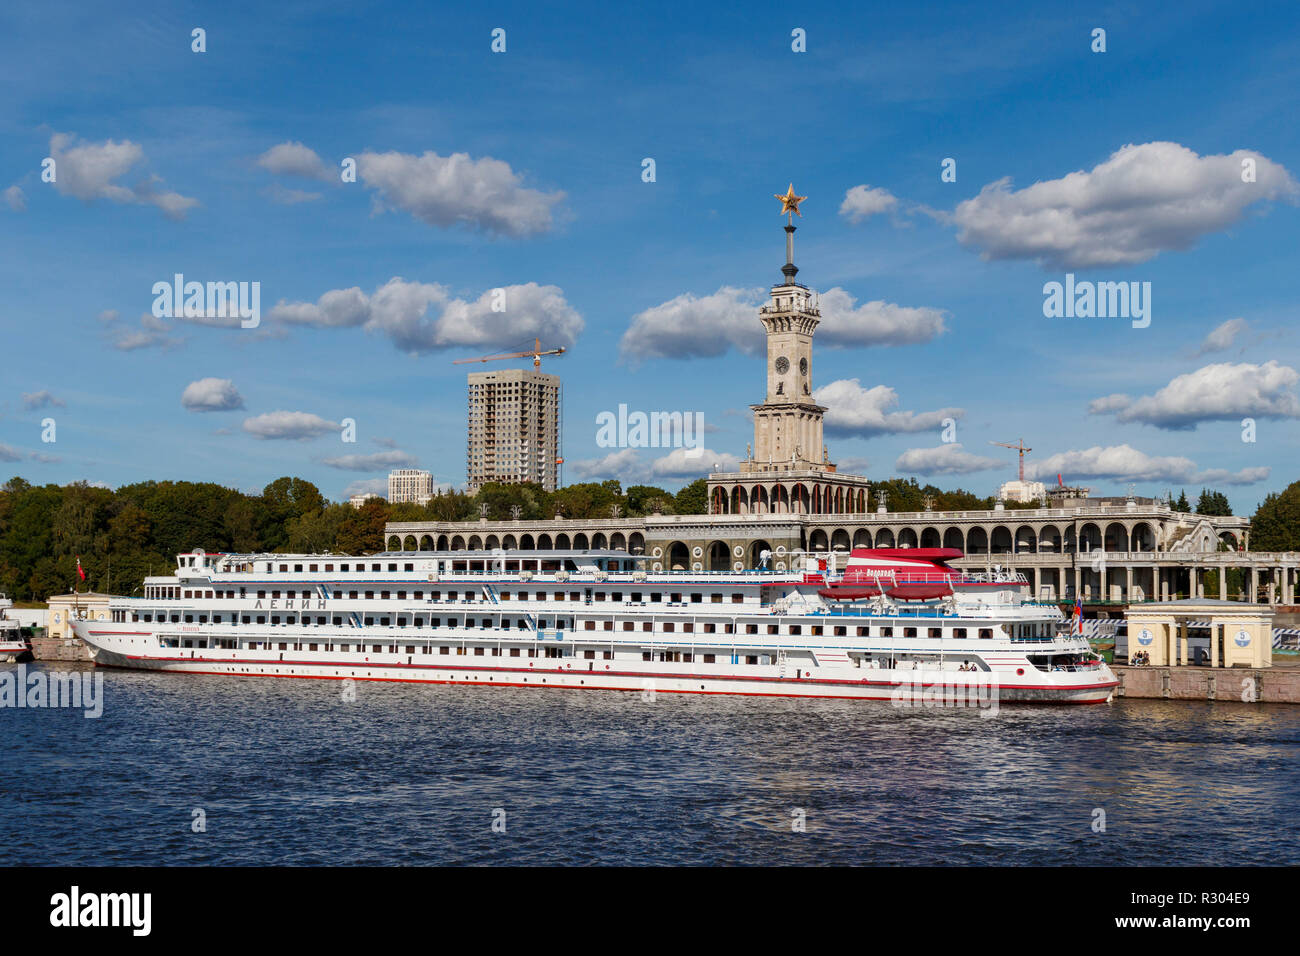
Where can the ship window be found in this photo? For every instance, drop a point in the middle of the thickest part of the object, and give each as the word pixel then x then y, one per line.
pixel 863 631
pixel 393 567
pixel 738 599
pixel 401 621
pixel 715 598
pixel 751 628
pixel 376 648
pixel 609 625
pixel 383 621
pixel 369 621
pixel 710 658
pixel 559 595
pixel 600 595
pixel 410 648
pixel 444 650
pixel 514 652
pixel 886 632
pixel 628 625
pixel 575 596
pixel 589 625
pixel 338 595
pixel 909 632
pixel 589 655
pixel 675 598
pixel 710 628
pixel 840 630
pixel 608 655
pixel 654 596
pixel 408 567
pixel 647 626
pixel 986 632
pixel 261 619
pixel 775 628
pixel 751 659
pixel 936 632
pixel 645 655
pixel 275 594
pixel 669 628
pixel 352 595
pixel 794 629
pixel 959 632
pixel 384 595
pixel 298 568
pixel 373 567
pixel 189 618
pixel 313 647
pixel 343 567
pixel 370 595
pixel 275 619
pixel 328 568
pixel 688 627
pixel 337 621
pixel 284 569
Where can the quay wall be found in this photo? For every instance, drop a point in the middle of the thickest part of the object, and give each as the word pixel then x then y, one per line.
pixel 1270 685
pixel 58 649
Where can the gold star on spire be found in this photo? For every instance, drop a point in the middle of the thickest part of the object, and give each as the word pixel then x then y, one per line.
pixel 790 202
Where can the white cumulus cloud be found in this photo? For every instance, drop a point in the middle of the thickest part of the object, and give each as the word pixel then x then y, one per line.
pixel 295 159
pixel 90 171
pixel 211 395
pixel 1142 201
pixel 1222 336
pixel 863 201
pixel 1126 463
pixel 1222 392
pixel 443 191
pixel 948 459
pixel 854 410
pixel 422 317
pixel 288 426
pixel 372 462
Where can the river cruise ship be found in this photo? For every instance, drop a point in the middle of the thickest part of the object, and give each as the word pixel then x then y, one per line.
pixel 887 620
pixel 13 646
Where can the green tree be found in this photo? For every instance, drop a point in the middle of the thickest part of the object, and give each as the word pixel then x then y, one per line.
pixel 1213 503
pixel 1276 523
pixel 693 499
pixel 361 531
pixel 639 498
pixel 1182 505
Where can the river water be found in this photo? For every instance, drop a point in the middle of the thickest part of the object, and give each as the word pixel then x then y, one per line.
pixel 289 772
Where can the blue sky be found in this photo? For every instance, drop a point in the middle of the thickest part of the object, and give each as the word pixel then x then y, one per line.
pixel 522 171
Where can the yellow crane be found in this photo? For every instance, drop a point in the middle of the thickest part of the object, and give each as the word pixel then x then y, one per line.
pixel 536 352
pixel 1020 446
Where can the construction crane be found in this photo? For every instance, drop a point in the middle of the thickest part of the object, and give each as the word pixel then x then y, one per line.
pixel 536 352
pixel 1020 446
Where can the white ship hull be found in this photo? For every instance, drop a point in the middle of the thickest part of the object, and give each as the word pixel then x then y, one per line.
pixel 1013 681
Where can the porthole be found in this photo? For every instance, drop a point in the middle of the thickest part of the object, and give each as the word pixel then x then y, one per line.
pixel 738 566
pixel 739 552
pixel 658 552
pixel 697 566
pixel 697 551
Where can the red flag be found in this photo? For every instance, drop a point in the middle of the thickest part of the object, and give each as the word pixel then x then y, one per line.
pixel 80 573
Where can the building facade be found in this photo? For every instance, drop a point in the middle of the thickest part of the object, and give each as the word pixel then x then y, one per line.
pixel 410 485
pixel 514 428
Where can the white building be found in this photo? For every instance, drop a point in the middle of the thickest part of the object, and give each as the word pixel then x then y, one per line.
pixel 357 501
pixel 410 485
pixel 1022 492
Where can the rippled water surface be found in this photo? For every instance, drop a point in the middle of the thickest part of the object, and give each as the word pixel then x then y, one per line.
pixel 287 772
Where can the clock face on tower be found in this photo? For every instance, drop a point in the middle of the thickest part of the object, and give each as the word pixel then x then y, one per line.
pixel 803 366
pixel 782 365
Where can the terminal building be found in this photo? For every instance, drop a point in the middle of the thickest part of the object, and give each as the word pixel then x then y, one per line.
pixel 788 497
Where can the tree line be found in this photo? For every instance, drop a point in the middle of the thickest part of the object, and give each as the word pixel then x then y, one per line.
pixel 124 535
